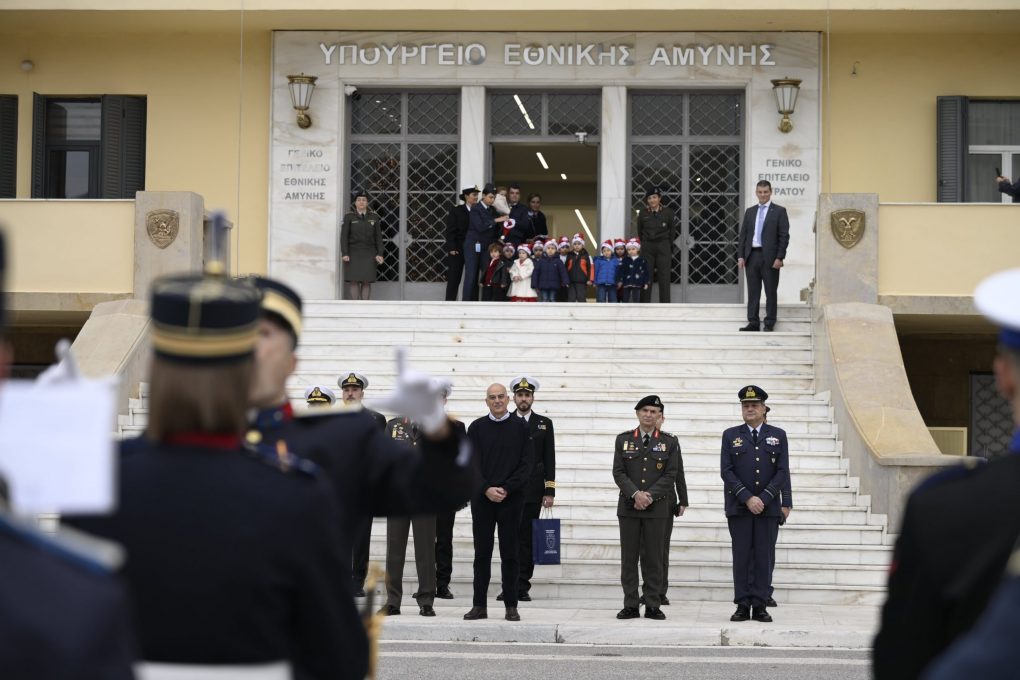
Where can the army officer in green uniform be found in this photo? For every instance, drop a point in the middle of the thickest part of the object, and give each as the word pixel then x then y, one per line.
pixel 361 247
pixel 656 227
pixel 645 468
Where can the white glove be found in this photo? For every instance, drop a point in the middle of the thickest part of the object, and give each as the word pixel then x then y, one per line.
pixel 416 396
pixel 64 371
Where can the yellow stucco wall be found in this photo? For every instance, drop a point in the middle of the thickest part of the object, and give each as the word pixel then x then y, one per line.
pixel 944 249
pixel 201 135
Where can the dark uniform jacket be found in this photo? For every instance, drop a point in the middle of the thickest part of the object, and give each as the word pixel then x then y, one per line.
pixel 775 233
pixel 403 430
pixel 653 469
pixel 523 230
pixel 233 559
pixel 543 473
pixel 1011 189
pixel 759 471
pixel 957 534
pixel 457 221
pixel 482 227
pixel 62 616
pixel 680 492
pixel 656 227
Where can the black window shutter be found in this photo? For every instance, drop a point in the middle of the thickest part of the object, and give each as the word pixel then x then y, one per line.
pixel 111 174
pixel 134 146
pixel 952 149
pixel 38 146
pixel 8 145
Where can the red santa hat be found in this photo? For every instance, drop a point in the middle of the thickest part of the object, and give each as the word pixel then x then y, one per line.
pixel 608 243
pixel 618 243
pixel 525 248
pixel 538 243
pixel 635 243
pixel 577 239
pixel 564 243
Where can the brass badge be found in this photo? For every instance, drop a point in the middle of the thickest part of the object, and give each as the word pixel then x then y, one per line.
pixel 659 465
pixel 847 227
pixel 162 226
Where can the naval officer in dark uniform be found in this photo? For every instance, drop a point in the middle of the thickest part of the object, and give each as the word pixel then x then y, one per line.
pixel 754 464
pixel 457 222
pixel 233 556
pixel 959 528
pixel 540 490
pixel 63 615
pixel 645 467
pixel 656 227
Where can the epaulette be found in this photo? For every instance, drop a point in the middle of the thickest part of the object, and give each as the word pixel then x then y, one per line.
pixel 72 547
pixel 663 433
pixel 967 467
pixel 282 459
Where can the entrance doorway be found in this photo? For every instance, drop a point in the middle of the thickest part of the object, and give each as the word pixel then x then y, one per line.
pixel 564 175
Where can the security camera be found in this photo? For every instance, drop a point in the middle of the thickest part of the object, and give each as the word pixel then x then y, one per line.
pixel 581 136
pixel 350 90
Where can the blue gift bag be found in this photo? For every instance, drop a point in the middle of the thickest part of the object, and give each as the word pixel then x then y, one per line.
pixel 545 539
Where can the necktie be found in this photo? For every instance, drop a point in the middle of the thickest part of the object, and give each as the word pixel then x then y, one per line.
pixel 646 439
pixel 754 437
pixel 759 224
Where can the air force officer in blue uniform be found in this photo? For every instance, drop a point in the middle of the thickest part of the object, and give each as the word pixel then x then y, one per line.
pixel 754 466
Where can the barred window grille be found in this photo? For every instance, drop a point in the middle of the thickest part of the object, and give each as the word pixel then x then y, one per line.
pixel 403 152
pixel 544 114
pixel 991 418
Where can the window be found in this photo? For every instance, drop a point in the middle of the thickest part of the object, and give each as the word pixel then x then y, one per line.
pixel 978 140
pixel 88 147
pixel 8 145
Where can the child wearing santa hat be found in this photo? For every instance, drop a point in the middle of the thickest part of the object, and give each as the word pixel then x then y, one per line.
pixel 606 265
pixel 550 275
pixel 580 271
pixel 520 276
pixel 633 274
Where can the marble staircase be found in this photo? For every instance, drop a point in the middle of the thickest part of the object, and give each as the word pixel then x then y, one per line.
pixel 593 363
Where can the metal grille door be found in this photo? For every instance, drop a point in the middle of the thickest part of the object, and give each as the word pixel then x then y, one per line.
pixel 403 152
pixel 991 418
pixel 690 145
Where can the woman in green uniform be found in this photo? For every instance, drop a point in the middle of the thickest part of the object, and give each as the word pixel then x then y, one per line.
pixel 361 245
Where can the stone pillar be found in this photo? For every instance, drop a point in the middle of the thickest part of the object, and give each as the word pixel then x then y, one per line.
pixel 169 235
pixel 472 137
pixel 614 198
pixel 846 267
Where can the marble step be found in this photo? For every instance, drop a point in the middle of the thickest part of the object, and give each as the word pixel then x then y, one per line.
pixel 704 495
pixel 568 457
pixel 623 325
pixel 314 308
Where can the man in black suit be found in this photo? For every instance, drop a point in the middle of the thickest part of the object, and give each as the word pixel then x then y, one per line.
pixel 959 527
pixel 764 235
pixel 457 221
pixel 540 491
pixel 522 230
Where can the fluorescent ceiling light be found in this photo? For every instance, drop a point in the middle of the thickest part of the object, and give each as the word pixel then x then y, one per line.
pixel 524 112
pixel 541 159
pixel 563 175
pixel 584 225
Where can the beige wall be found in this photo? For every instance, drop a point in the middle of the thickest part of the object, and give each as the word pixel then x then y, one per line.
pixel 69 246
pixel 192 82
pixel 880 132
pixel 944 249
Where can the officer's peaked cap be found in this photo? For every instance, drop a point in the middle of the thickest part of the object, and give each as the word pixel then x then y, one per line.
pixel 752 393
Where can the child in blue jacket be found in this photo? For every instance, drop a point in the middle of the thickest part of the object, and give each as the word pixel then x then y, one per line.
pixel 550 274
pixel 633 275
pixel 606 265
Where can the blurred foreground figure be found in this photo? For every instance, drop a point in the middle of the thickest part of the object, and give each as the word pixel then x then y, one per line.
pixel 62 614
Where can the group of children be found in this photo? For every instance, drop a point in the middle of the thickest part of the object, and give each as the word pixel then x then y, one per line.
pixel 561 271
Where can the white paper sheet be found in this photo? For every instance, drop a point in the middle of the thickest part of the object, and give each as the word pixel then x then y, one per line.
pixel 56 446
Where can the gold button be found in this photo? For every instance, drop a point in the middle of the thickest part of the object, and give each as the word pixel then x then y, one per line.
pixel 253 437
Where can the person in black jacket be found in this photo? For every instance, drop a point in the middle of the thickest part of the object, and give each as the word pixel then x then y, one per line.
pixel 538 222
pixel 483 229
pixel 540 491
pixel 523 230
pixel 456 231
pixel 764 236
pixel 1009 188
pixel 505 454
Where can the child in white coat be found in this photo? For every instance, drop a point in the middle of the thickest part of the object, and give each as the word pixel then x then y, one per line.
pixel 520 276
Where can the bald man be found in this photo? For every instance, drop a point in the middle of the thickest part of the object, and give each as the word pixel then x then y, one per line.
pixel 504 452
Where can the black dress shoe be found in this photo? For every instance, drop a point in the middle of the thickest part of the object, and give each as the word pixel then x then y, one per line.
pixel 769 329
pixel 750 327
pixel 742 613
pixel 512 615
pixel 426 610
pixel 628 613
pixel 499 598
pixel 476 613
pixel 641 600
pixel 654 613
pixel 761 614
pixel 771 603
pixel 523 597
pixel 359 592
pixel 389 610
pixel 664 601
pixel 444 593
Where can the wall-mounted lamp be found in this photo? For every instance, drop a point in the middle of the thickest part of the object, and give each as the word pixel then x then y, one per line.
pixel 301 89
pixel 786 90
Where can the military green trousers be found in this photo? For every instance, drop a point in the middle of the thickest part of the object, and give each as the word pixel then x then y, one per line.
pixel 642 539
pixel 424 557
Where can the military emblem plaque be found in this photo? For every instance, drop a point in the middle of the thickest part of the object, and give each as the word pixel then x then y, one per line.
pixel 162 227
pixel 847 227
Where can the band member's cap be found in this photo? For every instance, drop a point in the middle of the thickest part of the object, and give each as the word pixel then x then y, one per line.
pixel 280 303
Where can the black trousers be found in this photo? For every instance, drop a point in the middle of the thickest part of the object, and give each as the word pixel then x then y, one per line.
pixel 641 539
pixel 758 273
pixel 660 265
pixel 454 272
pixel 531 511
pixel 362 546
pixel 752 538
pixel 472 271
pixel 444 548
pixel 577 291
pixel 505 517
